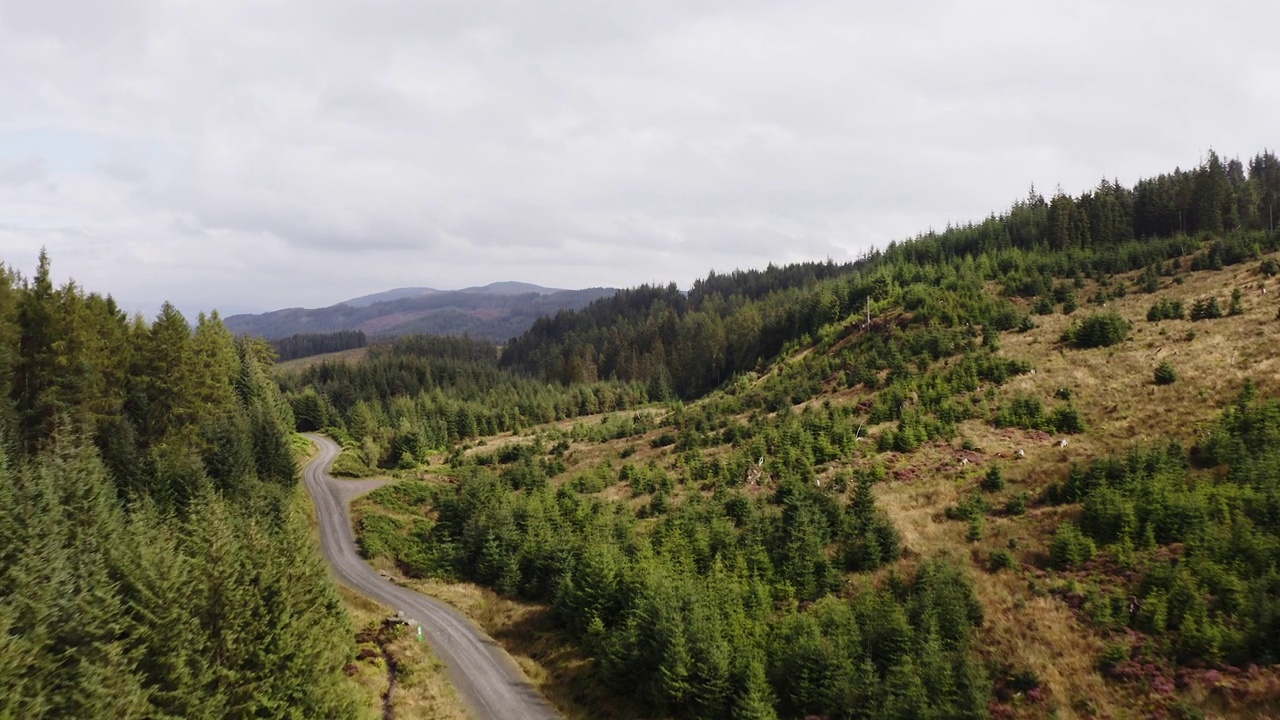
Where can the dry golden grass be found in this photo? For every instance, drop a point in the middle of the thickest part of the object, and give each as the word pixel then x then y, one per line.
pixel 422 687
pixel 1113 386
pixel 555 666
pixel 300 364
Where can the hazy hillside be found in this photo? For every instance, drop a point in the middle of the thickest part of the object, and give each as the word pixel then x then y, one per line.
pixel 388 295
pixel 495 312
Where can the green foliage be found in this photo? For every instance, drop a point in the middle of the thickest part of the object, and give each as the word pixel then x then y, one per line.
pixel 1166 310
pixel 683 618
pixel 972 507
pixel 869 536
pixel 1017 504
pixel 1070 548
pixel 152 562
pixel 1098 330
pixel 1066 419
pixel 999 559
pixel 214 613
pixel 422 393
pixel 1165 374
pixel 307 344
pixel 976 526
pixel 1114 654
pixel 1206 309
pixel 1269 267
pixel 1215 602
pixel 1026 411
pixel 993 479
pixel 1237 306
pixel 1151 279
pixel 1022 411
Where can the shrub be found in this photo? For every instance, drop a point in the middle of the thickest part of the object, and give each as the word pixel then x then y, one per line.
pixel 1023 411
pixel 1165 374
pixel 1113 654
pixel 1044 305
pixel 1026 324
pixel 1066 419
pixel 663 440
pixel 969 509
pixel 351 462
pixel 1017 505
pixel 1166 310
pixel 1206 309
pixel 1070 548
pixel 999 559
pixel 1269 267
pixel 1236 307
pixel 1098 330
pixel 976 526
pixel 993 481
pixel 1151 279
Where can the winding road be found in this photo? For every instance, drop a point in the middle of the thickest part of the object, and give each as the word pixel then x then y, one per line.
pixel 487 680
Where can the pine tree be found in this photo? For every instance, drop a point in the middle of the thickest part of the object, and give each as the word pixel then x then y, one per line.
pixel 34 388
pixel 168 379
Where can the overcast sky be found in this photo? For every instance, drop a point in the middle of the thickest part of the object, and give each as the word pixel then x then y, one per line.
pixel 256 155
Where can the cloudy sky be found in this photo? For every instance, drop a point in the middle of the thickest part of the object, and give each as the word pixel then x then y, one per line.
pixel 255 155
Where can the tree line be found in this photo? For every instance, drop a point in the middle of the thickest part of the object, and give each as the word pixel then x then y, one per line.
pixel 683 345
pixel 421 393
pixel 307 344
pixel 154 562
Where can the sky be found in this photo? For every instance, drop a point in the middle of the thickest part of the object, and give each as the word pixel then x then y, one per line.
pixel 249 156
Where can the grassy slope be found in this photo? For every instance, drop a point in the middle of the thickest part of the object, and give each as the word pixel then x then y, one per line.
pixel 300 364
pixel 1027 626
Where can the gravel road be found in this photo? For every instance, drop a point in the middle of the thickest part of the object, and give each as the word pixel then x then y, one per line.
pixel 488 681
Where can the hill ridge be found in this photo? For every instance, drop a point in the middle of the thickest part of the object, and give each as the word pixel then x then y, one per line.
pixel 497 312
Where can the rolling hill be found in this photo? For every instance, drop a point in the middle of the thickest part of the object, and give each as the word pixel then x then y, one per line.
pixel 496 312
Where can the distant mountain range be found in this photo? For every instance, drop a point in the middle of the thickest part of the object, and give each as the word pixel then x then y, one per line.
pixel 497 312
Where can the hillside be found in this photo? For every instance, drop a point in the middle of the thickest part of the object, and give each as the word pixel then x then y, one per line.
pixel 1040 627
pixel 1024 468
pixel 495 312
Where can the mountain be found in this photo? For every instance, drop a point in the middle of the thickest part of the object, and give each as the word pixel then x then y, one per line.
pixel 388 295
pixel 496 312
pixel 510 288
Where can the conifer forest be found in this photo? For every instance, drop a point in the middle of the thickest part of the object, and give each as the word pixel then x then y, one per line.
pixel 1023 467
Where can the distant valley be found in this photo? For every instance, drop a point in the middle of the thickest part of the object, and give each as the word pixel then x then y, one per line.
pixel 497 312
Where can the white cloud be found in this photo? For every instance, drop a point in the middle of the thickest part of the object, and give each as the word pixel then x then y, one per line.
pixel 252 155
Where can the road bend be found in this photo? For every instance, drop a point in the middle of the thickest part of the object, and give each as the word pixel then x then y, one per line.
pixel 487 679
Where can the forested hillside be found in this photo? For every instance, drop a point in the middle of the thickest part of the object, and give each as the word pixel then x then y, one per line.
pixel 729 323
pixel 1018 468
pixel 155 561
pixel 496 313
